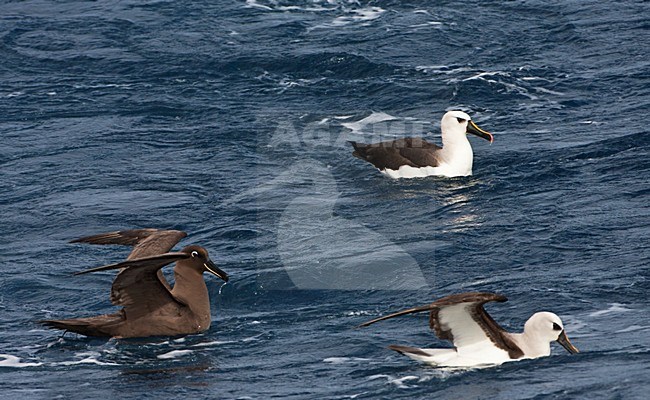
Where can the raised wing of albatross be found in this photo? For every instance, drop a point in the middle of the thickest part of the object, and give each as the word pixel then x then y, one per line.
pixel 461 319
pixel 145 242
pixel 137 287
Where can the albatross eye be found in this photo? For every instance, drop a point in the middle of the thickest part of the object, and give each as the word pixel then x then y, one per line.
pixel 460 120
pixel 195 253
pixel 556 327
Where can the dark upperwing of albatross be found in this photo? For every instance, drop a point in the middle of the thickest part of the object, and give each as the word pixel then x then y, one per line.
pixel 461 319
pixel 414 152
pixel 137 287
pixel 145 242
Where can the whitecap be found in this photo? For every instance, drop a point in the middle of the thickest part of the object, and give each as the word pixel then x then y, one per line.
pixel 399 382
pixel 343 360
pixel 174 354
pixel 486 73
pixel 362 15
pixel 90 357
pixel 14 362
pixel 88 360
pixel 213 343
pixel 357 313
pixel 441 69
pixel 614 308
pixel 540 89
pixel 633 328
pixel 429 23
pixel 255 4
pixel 374 118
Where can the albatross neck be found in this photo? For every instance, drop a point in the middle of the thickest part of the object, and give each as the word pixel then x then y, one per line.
pixel 532 344
pixel 457 152
pixel 190 288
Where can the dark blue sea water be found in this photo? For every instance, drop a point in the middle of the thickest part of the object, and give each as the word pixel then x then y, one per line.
pixel 229 119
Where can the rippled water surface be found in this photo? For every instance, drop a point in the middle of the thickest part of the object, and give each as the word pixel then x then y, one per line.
pixel 229 120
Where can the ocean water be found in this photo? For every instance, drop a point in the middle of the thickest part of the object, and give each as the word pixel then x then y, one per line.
pixel 229 120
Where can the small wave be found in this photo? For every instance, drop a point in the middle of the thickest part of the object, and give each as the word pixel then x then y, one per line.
pixel 374 118
pixel 344 360
pixel 614 308
pixel 426 24
pixel 356 313
pixel 634 328
pixel 274 6
pixel 89 360
pixel 442 69
pixel 174 354
pixel 255 4
pixel 360 15
pixel 399 382
pixel 104 86
pixel 213 343
pixel 14 362
pixel 90 357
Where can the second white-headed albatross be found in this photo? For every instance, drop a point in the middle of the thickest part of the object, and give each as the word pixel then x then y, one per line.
pixel 478 339
pixel 415 157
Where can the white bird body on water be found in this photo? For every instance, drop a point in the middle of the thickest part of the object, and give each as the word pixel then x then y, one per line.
pixel 415 157
pixel 477 338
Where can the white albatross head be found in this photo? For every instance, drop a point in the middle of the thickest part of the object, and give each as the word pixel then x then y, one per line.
pixel 545 327
pixel 455 125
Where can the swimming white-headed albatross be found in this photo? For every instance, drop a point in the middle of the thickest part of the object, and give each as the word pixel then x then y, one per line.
pixel 478 339
pixel 415 157
pixel 151 307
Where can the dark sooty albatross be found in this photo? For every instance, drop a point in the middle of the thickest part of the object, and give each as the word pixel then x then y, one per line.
pixel 151 307
pixel 415 157
pixel 477 338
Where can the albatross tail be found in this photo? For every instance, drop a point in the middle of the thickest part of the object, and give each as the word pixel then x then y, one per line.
pixel 359 150
pixel 435 357
pixel 99 326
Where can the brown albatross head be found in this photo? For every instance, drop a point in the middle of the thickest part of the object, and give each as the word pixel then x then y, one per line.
pixel 200 261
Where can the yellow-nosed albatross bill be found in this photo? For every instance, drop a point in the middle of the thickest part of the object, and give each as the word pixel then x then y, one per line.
pixel 477 338
pixel 151 307
pixel 415 157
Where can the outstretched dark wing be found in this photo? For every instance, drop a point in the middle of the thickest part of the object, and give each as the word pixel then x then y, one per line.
pixel 461 319
pixel 414 152
pixel 145 242
pixel 137 287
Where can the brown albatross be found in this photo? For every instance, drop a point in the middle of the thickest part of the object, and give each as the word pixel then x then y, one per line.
pixel 151 307
pixel 415 157
pixel 478 339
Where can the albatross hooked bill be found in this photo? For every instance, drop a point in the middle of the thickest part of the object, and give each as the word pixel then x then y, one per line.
pixel 475 130
pixel 216 271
